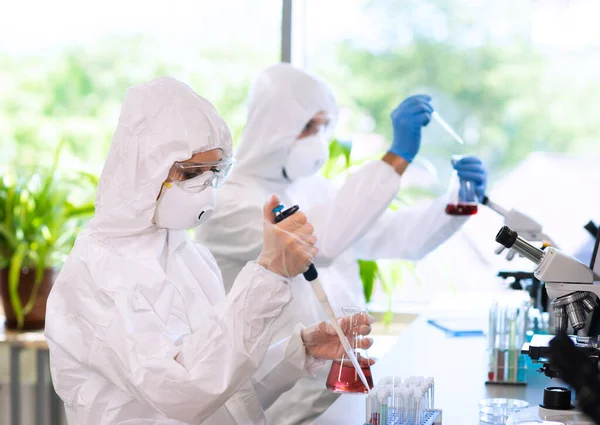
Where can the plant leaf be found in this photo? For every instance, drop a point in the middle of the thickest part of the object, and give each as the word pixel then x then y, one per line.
pixel 337 150
pixel 14 275
pixel 9 236
pixel 85 210
pixel 368 273
pixel 40 267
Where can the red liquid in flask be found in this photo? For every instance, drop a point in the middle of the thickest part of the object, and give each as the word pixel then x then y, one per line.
pixel 461 209
pixel 344 379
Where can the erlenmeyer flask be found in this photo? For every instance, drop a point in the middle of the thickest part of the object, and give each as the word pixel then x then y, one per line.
pixel 342 375
pixel 462 199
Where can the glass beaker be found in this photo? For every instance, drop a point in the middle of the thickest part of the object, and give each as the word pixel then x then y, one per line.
pixel 342 377
pixel 462 199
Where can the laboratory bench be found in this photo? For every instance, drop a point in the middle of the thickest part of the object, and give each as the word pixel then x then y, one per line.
pixel 458 364
pixel 47 408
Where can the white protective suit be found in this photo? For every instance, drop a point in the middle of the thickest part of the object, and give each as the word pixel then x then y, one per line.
pixel 351 222
pixel 138 324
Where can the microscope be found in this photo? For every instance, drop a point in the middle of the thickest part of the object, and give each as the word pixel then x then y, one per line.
pixel 569 283
pixel 531 230
pixel 573 359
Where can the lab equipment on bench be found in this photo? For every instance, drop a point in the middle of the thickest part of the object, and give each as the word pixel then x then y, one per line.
pixel 462 197
pixel 313 277
pixel 398 401
pixel 497 410
pixel 506 335
pixel 574 359
pixel 569 282
pixel 342 377
pixel 454 328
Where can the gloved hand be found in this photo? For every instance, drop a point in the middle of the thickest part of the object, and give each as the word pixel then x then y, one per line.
pixel 289 246
pixel 322 342
pixel 471 168
pixel 407 119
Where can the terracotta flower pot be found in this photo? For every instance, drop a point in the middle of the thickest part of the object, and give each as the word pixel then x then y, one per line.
pixel 36 318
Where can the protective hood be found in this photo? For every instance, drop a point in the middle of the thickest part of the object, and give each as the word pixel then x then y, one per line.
pixel 282 101
pixel 161 122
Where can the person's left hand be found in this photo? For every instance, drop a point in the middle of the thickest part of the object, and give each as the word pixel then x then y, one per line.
pixel 322 342
pixel 472 168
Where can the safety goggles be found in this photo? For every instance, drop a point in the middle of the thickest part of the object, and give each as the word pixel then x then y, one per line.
pixel 201 174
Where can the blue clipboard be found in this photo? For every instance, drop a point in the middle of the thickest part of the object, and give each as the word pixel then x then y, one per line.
pixel 456 327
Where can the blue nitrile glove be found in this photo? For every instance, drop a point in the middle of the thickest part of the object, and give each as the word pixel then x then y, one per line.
pixel 472 168
pixel 407 119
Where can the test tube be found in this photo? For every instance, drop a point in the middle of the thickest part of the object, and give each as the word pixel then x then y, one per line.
pixel 512 345
pixel 401 414
pixel 389 400
pixel 383 407
pixel 399 387
pixel 410 405
pixel 431 386
pixel 501 345
pixel 418 395
pixel 492 333
pixel 369 410
pixel 424 398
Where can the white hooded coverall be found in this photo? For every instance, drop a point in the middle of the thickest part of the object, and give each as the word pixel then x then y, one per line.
pixel 139 327
pixel 351 222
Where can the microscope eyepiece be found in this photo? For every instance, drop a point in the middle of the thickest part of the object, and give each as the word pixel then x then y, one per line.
pixel 506 236
pixel 510 239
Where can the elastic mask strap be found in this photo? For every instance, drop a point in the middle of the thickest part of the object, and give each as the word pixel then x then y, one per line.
pixel 163 187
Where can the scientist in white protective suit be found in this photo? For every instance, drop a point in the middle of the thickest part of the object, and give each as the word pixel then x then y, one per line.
pixel 291 117
pixel 139 327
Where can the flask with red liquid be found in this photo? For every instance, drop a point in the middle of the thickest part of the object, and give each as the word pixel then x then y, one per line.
pixel 342 375
pixel 462 199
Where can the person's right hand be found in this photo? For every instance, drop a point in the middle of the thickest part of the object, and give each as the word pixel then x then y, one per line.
pixel 289 246
pixel 407 119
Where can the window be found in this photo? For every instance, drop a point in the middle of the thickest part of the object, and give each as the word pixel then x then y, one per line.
pixel 64 69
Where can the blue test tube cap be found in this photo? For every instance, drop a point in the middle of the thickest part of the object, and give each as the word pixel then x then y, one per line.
pixel 278 209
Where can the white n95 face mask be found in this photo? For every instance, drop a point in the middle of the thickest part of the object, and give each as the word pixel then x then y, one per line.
pixel 185 205
pixel 306 157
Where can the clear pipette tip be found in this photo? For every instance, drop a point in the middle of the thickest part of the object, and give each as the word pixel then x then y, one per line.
pixel 447 127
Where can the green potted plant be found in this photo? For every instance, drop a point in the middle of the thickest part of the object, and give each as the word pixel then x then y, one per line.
pixel 41 212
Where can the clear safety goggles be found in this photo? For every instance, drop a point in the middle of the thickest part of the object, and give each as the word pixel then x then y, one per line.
pixel 201 174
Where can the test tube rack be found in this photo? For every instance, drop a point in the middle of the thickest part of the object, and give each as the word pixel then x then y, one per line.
pixel 508 321
pixel 403 401
pixel 432 417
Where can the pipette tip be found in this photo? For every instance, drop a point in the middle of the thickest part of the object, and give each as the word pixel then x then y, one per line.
pixel 447 127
